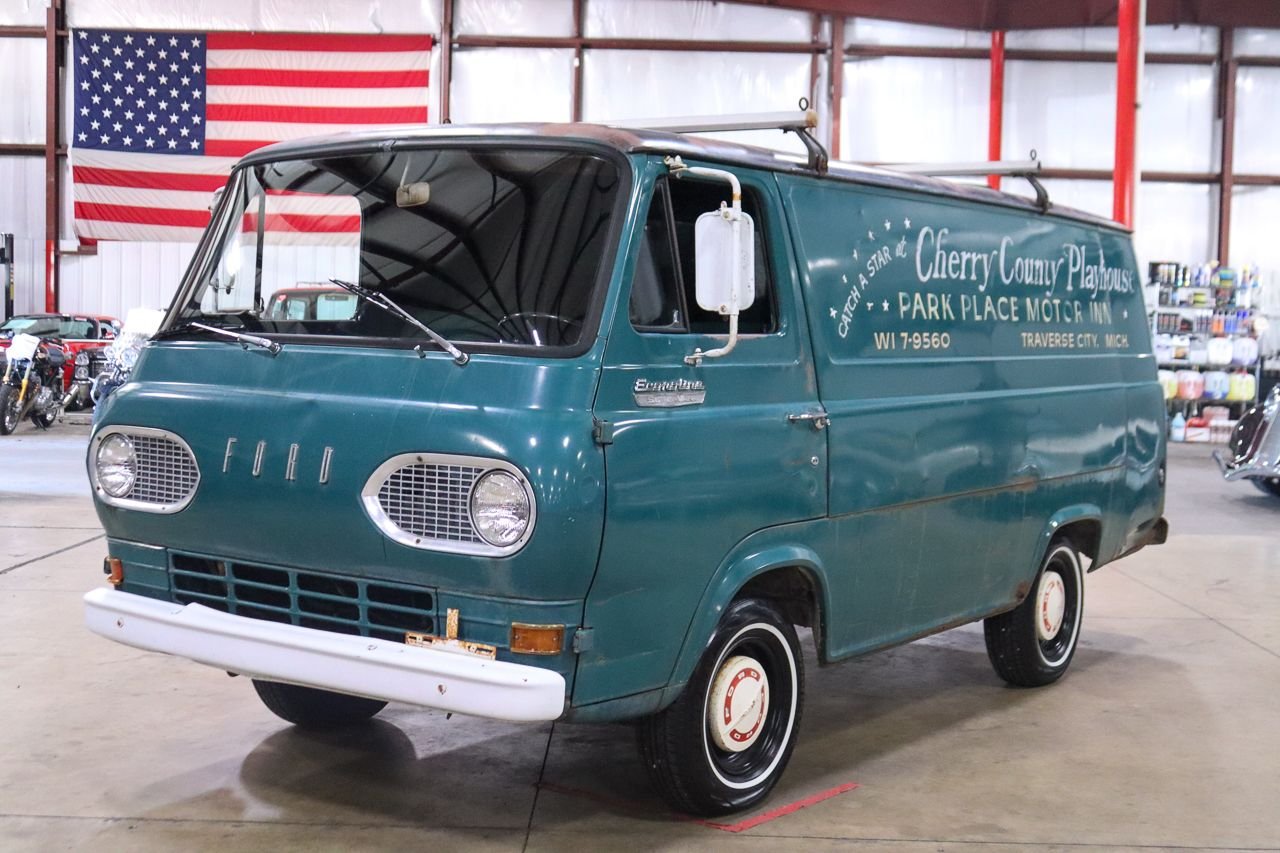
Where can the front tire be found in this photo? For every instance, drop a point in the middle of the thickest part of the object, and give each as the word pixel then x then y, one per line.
pixel 723 744
pixel 1032 645
pixel 9 410
pixel 310 708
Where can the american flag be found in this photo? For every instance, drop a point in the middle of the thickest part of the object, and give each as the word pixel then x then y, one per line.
pixel 160 118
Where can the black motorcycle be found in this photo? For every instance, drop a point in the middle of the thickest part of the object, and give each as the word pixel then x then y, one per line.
pixel 32 383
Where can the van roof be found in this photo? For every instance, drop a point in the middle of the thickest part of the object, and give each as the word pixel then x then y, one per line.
pixel 660 142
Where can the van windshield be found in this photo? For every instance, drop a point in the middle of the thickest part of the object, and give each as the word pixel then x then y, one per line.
pixel 487 246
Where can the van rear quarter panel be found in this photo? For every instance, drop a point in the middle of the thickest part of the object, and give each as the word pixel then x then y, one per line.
pixel 985 369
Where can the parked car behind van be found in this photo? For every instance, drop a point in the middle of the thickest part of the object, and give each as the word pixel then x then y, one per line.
pixel 615 413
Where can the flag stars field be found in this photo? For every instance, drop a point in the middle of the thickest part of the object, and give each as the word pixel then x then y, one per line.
pixel 198 102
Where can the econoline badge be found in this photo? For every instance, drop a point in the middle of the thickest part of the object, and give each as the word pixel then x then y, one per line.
pixel 669 394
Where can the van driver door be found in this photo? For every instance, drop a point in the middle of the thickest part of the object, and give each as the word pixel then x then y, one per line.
pixel 697 457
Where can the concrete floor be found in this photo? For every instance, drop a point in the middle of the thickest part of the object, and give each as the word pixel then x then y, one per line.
pixel 1163 735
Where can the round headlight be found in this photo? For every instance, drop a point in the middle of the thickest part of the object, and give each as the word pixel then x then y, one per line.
pixel 82 360
pixel 500 508
pixel 115 464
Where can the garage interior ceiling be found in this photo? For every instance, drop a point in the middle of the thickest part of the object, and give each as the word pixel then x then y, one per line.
pixel 1024 15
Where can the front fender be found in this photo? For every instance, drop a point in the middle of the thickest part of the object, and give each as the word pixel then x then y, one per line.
pixel 763 551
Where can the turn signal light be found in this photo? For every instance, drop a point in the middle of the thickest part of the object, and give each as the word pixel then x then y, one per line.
pixel 114 570
pixel 536 639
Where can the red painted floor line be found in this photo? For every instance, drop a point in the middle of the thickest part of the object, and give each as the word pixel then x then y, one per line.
pixel 780 811
pixel 741 826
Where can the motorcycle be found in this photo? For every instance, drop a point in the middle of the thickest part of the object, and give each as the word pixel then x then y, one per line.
pixel 1255 447
pixel 32 383
pixel 122 354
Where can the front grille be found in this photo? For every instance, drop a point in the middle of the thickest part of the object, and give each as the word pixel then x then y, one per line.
pixel 335 603
pixel 431 501
pixel 165 471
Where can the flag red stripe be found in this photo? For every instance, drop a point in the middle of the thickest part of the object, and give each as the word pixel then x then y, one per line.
pixel 304 222
pixel 320 79
pixel 200 218
pixel 315 115
pixel 142 215
pixel 319 42
pixel 234 147
pixel 147 180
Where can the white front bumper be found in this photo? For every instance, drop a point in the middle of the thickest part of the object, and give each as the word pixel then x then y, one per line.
pixel 357 665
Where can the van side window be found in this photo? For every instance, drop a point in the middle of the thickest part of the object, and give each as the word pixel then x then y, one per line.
pixel 663 298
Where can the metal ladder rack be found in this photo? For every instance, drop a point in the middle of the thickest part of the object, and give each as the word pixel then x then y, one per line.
pixel 800 122
pixel 1027 169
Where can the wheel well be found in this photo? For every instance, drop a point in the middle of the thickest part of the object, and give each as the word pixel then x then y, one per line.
pixel 792 589
pixel 1085 534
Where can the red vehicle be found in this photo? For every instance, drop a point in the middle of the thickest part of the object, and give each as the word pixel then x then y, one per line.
pixel 77 334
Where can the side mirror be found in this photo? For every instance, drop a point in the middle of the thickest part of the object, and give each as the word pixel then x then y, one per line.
pixel 715 261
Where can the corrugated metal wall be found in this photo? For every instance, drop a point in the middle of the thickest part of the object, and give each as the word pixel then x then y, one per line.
pixel 22 214
pixel 22 178
pixel 123 276
pixel 22 70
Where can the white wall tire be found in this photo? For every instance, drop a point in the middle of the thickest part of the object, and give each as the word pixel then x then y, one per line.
pixel 705 764
pixel 1032 645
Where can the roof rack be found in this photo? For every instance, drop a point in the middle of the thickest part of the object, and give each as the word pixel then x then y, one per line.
pixel 800 122
pixel 1007 168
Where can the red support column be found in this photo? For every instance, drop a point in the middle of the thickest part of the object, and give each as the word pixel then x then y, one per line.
pixel 835 78
pixel 1124 187
pixel 52 197
pixel 995 109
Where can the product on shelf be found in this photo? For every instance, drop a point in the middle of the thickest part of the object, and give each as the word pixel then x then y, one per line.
pixel 1168 382
pixel 1190 385
pixel 1243 386
pixel 1220 430
pixel 1244 351
pixel 1178 428
pixel 1197 429
pixel 1219 351
pixel 1163 348
pixel 1217 383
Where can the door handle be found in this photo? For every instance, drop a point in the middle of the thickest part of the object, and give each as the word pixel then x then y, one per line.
pixel 1031 471
pixel 819 420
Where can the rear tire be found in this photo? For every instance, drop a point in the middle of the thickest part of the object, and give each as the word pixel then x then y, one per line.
pixel 1269 486
pixel 1032 645
pixel 9 414
pixel 723 744
pixel 310 708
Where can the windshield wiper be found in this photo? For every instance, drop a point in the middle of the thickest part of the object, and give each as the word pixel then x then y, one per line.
pixel 384 302
pixel 245 340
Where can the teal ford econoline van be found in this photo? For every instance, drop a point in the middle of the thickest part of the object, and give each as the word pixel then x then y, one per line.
pixel 615 413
